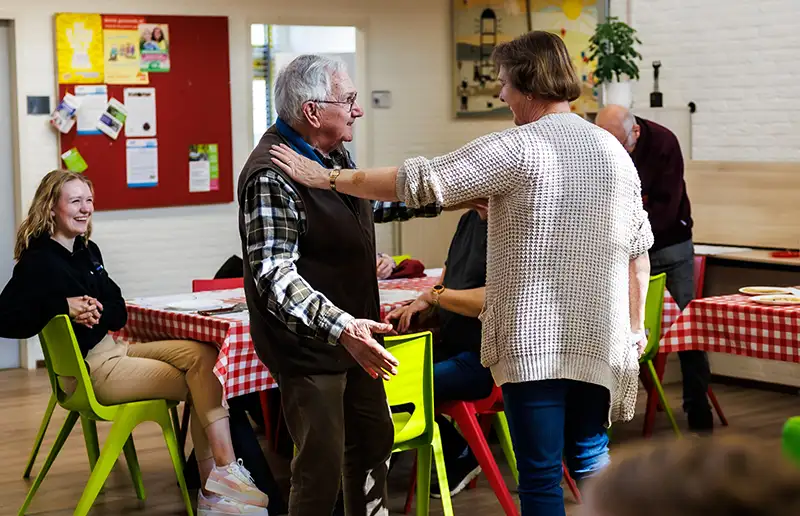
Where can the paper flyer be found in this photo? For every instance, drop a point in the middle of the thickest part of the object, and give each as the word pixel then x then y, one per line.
pixel 154 46
pixel 141 106
pixel 74 161
pixel 203 167
pixel 93 101
pixel 113 118
pixel 63 117
pixel 79 48
pixel 142 161
pixel 122 55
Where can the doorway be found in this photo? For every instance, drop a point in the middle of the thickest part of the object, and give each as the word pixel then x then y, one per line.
pixel 9 349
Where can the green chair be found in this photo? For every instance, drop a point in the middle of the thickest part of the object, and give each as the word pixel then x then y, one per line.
pixel 63 359
pixel 791 439
pixel 417 430
pixel 654 307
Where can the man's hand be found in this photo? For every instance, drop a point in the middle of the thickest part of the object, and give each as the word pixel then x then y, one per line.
pixel 404 314
pixel 357 340
pixel 385 265
pixel 84 310
pixel 641 342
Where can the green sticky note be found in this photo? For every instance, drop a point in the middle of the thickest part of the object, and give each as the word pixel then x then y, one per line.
pixel 74 161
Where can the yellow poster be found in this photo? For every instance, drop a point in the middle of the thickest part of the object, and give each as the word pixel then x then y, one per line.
pixel 79 48
pixel 122 54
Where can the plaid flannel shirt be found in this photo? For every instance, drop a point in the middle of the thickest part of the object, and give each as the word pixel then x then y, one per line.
pixel 274 219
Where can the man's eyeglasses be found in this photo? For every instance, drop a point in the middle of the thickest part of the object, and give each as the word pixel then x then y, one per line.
pixel 350 102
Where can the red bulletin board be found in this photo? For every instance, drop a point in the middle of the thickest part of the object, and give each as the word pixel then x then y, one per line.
pixel 193 106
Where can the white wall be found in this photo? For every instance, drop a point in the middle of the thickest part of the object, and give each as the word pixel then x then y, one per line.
pixel 736 60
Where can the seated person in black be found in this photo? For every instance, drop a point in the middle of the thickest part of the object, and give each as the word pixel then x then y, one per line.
pixel 457 370
pixel 60 271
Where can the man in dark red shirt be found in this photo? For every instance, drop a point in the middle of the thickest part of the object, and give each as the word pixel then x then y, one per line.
pixel 657 155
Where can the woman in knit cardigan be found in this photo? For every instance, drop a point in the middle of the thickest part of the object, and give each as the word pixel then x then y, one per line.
pixel 567 271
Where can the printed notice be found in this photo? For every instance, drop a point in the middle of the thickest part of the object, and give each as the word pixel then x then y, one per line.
pixel 142 162
pixel 122 54
pixel 113 118
pixel 141 106
pixel 93 104
pixel 203 167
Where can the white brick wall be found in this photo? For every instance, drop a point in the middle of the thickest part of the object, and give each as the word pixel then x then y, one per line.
pixel 738 61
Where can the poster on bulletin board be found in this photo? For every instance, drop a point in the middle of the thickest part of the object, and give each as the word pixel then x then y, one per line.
pixel 79 48
pixel 122 54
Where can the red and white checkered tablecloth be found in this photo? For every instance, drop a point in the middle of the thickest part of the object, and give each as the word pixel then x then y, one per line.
pixel 238 367
pixel 734 324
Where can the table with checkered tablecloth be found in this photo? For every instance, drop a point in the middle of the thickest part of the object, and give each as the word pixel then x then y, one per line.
pixel 238 367
pixel 737 325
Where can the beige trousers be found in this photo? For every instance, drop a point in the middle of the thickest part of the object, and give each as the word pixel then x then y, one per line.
pixel 169 369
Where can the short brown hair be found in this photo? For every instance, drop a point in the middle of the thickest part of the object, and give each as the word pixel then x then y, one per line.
pixel 538 64
pixel 698 477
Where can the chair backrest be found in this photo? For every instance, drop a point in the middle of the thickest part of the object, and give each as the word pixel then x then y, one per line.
pixel 413 384
pixel 204 285
pixel 654 305
pixel 400 258
pixel 791 439
pixel 64 360
pixel 699 275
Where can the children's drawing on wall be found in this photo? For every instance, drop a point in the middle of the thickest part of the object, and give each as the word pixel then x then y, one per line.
pixel 154 46
pixel 479 26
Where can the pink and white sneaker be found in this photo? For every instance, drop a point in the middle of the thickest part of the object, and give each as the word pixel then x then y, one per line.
pixel 214 505
pixel 234 482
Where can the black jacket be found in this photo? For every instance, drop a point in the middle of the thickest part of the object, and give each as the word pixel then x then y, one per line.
pixel 45 276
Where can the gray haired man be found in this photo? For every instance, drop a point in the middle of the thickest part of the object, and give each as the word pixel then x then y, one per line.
pixel 313 297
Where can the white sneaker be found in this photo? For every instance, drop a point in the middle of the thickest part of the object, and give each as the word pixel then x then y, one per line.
pixel 221 506
pixel 234 482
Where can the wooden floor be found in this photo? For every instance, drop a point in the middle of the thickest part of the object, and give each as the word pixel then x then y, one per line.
pixel 23 398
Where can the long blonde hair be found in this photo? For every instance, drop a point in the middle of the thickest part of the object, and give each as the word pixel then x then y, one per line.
pixel 40 218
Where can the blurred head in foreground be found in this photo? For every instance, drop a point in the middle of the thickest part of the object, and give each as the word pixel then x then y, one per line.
pixel 707 477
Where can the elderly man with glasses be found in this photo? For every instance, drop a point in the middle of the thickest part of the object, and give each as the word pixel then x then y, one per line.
pixel 312 293
pixel 656 152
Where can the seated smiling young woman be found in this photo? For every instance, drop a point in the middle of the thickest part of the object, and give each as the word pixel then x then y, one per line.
pixel 60 271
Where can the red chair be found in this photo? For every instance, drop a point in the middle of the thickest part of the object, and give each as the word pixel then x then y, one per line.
pixel 661 360
pixel 466 415
pixel 205 285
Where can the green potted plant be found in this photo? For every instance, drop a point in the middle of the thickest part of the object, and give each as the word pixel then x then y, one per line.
pixel 613 50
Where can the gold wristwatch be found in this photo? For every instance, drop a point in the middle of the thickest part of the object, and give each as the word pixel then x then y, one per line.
pixel 335 175
pixel 436 291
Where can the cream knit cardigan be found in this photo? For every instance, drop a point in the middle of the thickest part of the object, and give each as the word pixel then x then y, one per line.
pixel 565 219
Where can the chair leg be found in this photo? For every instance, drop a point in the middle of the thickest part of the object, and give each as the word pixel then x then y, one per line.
pixel 412 484
pixel 441 475
pixel 503 433
pixel 663 398
pixel 66 428
pixel 473 433
pixel 126 419
pixel 89 429
pixel 176 456
pixel 423 461
pixel 650 412
pixel 133 467
pixel 573 487
pixel 48 413
pixel 183 430
pixel 717 408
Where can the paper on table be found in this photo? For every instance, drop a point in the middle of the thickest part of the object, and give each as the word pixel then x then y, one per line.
pixel 141 106
pixel 93 105
pixel 711 250
pixel 113 118
pixel 142 162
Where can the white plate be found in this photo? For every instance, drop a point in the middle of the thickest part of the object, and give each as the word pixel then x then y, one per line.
pixel 765 291
pixel 193 305
pixel 397 296
pixel 777 300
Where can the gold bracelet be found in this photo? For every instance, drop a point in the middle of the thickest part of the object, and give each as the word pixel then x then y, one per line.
pixel 334 175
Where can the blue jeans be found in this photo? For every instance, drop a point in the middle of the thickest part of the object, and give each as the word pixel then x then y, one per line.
pixel 459 378
pixel 677 261
pixel 551 419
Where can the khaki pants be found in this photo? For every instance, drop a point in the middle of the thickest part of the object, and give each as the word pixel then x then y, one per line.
pixel 342 427
pixel 170 370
